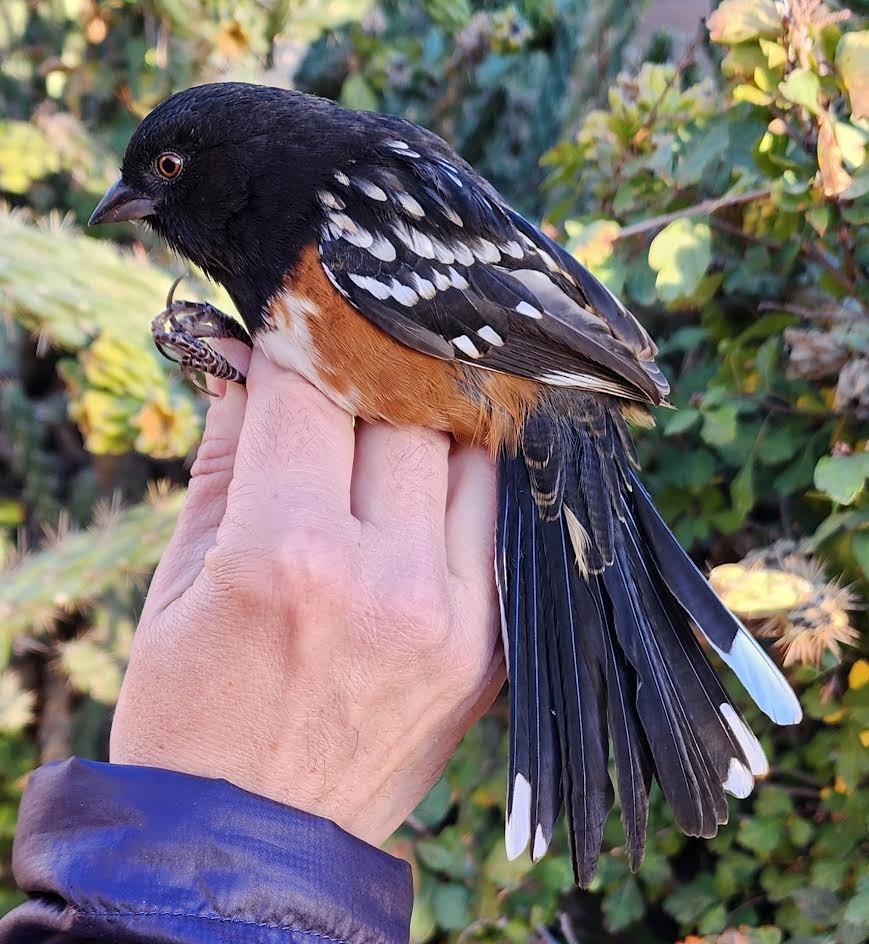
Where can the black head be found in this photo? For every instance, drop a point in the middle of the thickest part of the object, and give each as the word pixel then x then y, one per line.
pixel 227 174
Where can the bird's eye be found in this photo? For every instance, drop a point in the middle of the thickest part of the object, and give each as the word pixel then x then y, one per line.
pixel 169 165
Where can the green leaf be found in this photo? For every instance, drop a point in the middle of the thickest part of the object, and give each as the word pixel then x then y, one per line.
pixel 624 905
pixel 681 421
pixel 852 63
pixel 857 911
pixel 680 254
pixel 357 93
pixel 842 477
pixel 735 21
pixel 435 805
pixel 714 921
pixel 719 425
pixel 802 87
pixel 860 549
pixel 452 907
pixel 742 492
pixel 446 854
pixel 688 902
pixel 423 922
pixel 761 834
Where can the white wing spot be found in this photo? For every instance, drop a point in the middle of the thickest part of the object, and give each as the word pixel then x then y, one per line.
pixel 457 279
pixel 425 288
pixel 403 294
pixel 400 147
pixel 414 240
pixel 440 280
pixel 361 238
pixel 486 251
pixel 491 336
pixel 550 262
pixel 343 222
pixel 452 216
pixel 513 249
pixel 342 178
pixel 330 200
pixel 409 205
pixel 382 248
pixel 451 173
pixel 466 345
pixel 372 285
pixel 443 253
pixel 529 310
pixel 463 254
pixel 370 189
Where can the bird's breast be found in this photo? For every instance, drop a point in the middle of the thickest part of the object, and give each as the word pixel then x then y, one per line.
pixel 311 328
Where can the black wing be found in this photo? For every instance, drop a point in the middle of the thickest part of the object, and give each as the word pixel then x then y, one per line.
pixel 429 252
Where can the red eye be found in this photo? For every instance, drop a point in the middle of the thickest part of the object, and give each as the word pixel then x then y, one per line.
pixel 169 165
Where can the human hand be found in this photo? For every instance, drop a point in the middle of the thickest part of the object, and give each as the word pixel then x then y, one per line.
pixel 322 629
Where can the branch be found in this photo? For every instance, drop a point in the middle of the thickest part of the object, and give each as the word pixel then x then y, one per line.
pixel 704 208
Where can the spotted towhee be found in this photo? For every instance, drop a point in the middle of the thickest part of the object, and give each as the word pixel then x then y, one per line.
pixel 362 252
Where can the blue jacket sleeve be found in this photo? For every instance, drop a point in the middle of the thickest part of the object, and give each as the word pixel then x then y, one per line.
pixel 135 854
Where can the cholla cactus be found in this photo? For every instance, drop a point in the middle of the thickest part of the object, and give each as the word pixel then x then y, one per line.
pixel 79 567
pixel 122 400
pixel 24 439
pixel 785 594
pixel 16 704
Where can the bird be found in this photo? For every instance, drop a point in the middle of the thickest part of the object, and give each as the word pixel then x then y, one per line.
pixel 364 253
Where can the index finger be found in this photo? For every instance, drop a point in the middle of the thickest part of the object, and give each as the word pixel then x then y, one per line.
pixel 295 452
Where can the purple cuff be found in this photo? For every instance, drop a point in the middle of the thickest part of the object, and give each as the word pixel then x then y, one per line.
pixel 109 852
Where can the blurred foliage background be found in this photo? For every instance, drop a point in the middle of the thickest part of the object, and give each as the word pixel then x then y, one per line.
pixel 719 185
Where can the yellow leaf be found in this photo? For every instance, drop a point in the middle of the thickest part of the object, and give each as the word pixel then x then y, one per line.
pixel 751 94
pixel 859 674
pixel 757 592
pixel 776 54
pixel 835 717
pixel 834 177
pixel 735 21
pixel 852 61
pixel 864 737
pixel 840 786
pixel 231 39
pixel 593 244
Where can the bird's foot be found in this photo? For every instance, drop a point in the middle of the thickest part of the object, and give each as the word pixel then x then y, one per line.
pixel 181 332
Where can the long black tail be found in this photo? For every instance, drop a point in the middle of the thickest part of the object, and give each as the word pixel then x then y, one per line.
pixel 597 602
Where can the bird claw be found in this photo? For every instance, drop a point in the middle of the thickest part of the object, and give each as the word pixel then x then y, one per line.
pixel 181 332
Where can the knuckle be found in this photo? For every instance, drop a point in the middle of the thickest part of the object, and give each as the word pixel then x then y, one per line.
pixel 312 560
pixel 420 608
pixel 216 456
pixel 236 573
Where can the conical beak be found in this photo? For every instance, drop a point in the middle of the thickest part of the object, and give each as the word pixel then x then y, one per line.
pixel 121 204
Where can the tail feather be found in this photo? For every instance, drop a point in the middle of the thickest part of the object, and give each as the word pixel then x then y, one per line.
pixel 630 746
pixel 533 801
pixel 730 639
pixel 597 601
pixel 577 666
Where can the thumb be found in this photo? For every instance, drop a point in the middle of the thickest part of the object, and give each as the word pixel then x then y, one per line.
pixel 210 476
